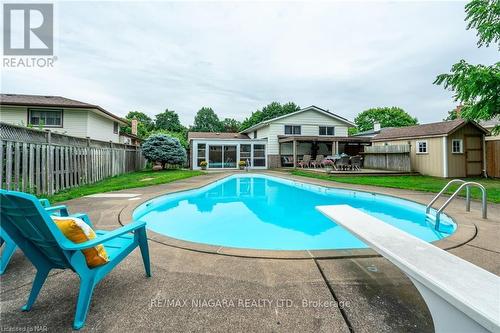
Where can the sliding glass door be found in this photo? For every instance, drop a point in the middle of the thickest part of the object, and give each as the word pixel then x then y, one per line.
pixel 222 156
pixel 215 157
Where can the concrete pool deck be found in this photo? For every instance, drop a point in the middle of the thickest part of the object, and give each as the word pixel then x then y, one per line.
pixel 199 291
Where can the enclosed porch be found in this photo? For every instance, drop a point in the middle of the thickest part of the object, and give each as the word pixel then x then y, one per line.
pixel 292 149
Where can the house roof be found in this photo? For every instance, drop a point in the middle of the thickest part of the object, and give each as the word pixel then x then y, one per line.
pixel 490 123
pixel 371 132
pixel 52 101
pixel 426 130
pixel 216 135
pixel 312 107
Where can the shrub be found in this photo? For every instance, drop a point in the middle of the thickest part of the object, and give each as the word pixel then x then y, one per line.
pixel 164 149
pixel 203 163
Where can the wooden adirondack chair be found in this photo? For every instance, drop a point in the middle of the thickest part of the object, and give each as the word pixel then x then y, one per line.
pixel 30 226
pixel 10 246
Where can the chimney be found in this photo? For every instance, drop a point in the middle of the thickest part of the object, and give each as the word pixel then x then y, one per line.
pixel 376 126
pixel 134 127
pixel 458 111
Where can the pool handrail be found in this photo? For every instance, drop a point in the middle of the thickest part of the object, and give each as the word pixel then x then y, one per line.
pixel 467 195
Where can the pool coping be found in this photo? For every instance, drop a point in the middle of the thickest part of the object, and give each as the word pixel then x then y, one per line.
pixel 465 232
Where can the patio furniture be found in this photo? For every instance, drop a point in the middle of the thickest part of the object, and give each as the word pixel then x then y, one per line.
pixel 286 161
pixel 305 162
pixel 356 162
pixel 30 226
pixel 318 161
pixel 343 163
pixel 461 297
pixel 10 246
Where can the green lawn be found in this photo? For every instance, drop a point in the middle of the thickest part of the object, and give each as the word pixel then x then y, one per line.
pixel 417 183
pixel 129 180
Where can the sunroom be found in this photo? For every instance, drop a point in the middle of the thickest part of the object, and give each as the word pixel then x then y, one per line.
pixel 223 152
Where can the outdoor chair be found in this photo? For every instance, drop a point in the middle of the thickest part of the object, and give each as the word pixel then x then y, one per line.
pixel 286 161
pixel 356 162
pixel 343 163
pixel 30 226
pixel 305 162
pixel 10 246
pixel 318 162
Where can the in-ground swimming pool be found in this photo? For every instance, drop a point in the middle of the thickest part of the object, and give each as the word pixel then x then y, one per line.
pixel 270 213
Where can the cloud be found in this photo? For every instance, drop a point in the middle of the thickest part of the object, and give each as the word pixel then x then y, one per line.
pixel 238 57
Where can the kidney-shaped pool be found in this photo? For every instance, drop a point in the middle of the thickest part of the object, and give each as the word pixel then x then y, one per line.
pixel 256 211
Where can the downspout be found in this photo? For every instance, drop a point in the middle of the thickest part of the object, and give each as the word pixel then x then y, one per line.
pixel 485 173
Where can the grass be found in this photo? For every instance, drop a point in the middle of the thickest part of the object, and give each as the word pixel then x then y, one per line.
pixel 417 183
pixel 129 180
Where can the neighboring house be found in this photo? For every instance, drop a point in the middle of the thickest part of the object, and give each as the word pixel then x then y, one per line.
pixel 281 141
pixel 453 148
pixel 61 115
pixel 489 125
pixel 130 139
pixel 373 132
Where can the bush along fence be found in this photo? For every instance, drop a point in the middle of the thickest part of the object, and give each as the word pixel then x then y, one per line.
pixel 42 162
pixel 390 157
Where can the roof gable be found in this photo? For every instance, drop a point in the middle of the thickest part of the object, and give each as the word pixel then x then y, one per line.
pixel 309 108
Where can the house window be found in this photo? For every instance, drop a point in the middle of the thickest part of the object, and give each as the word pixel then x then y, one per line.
pixel 255 134
pixel 246 154
pixel 201 150
pixel 326 130
pixel 457 146
pixel 115 127
pixel 45 117
pixel 292 129
pixel 259 155
pixel 422 147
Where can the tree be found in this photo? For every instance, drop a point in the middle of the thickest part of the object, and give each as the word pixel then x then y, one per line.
pixel 206 121
pixel 181 136
pixel 270 111
pixel 477 87
pixel 164 149
pixel 144 124
pixel 168 121
pixel 386 116
pixel 452 115
pixel 230 125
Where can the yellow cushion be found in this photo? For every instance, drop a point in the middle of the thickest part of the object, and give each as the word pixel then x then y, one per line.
pixel 77 231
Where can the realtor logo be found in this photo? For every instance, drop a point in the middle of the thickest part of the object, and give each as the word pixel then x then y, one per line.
pixel 28 29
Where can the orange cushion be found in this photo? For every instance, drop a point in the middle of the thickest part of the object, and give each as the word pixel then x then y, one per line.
pixel 77 231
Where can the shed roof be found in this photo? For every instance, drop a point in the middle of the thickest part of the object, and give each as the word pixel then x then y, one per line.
pixel 441 128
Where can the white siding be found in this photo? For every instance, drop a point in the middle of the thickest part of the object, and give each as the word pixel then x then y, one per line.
pixel 309 121
pixel 101 128
pixel 74 120
pixel 14 115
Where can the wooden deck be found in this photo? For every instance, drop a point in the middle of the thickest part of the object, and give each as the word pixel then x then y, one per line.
pixel 362 172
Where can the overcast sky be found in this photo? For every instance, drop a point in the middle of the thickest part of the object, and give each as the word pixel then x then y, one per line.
pixel 238 57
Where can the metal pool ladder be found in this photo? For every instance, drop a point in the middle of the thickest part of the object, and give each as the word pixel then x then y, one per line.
pixel 467 186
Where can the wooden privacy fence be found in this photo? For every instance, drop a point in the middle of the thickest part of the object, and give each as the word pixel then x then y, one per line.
pixel 42 162
pixel 390 157
pixel 493 158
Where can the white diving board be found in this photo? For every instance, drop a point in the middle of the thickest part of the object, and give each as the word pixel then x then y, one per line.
pixel 461 297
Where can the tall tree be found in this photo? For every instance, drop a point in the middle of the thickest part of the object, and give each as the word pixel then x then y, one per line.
pixel 144 126
pixel 386 116
pixel 477 87
pixel 206 121
pixel 230 125
pixel 270 111
pixel 168 121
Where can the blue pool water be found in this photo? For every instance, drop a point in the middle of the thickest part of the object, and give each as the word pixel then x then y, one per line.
pixel 263 212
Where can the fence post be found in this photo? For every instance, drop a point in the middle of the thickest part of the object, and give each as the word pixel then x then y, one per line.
pixel 89 162
pixel 110 156
pixel 50 163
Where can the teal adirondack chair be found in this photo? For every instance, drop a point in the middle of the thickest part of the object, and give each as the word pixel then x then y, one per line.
pixel 31 228
pixel 10 246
